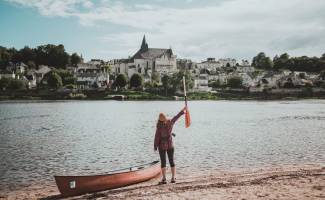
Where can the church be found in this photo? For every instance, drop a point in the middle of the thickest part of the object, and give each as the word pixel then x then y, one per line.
pixel 147 61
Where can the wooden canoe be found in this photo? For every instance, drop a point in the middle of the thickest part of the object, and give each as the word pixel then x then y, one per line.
pixel 77 185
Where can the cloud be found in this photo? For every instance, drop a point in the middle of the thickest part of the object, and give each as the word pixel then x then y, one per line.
pixel 144 6
pixel 232 28
pixel 61 8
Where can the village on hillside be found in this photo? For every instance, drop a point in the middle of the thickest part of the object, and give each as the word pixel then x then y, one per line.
pixel 151 68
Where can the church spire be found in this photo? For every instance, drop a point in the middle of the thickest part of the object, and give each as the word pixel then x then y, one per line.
pixel 144 45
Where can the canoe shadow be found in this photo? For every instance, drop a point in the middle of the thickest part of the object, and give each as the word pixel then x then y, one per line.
pixel 52 197
pixel 99 194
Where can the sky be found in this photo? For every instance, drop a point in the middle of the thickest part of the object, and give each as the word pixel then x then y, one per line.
pixel 194 29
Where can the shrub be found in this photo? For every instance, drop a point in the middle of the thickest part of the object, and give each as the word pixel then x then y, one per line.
pixel 71 86
pixel 136 81
pixel 4 82
pixel 120 81
pixel 54 80
pixel 17 85
pixel 235 82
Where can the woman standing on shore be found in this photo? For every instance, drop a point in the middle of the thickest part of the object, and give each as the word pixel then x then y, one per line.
pixel 164 143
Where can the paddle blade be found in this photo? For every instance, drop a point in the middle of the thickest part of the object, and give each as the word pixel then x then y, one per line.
pixel 187 118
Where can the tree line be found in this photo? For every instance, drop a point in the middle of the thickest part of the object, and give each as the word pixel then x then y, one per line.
pixel 170 83
pixel 284 61
pixel 49 54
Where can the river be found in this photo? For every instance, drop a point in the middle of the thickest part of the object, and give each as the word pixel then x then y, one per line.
pixel 42 139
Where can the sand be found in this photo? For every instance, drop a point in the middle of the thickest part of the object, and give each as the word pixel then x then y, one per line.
pixel 289 182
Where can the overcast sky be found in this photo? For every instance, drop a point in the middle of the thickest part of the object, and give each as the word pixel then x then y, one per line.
pixel 195 29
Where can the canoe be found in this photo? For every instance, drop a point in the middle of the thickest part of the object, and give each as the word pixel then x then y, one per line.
pixel 77 185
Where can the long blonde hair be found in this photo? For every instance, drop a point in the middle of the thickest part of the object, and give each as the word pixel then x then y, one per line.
pixel 162 120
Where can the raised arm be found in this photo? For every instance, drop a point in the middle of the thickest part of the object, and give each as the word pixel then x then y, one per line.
pixel 177 116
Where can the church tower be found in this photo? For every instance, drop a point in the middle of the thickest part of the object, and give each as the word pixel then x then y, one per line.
pixel 144 45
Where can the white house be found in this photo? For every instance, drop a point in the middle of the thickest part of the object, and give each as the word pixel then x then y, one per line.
pixel 245 63
pixel 120 66
pixel 96 62
pixel 247 79
pixel 20 68
pixel 17 68
pixel 7 74
pixel 185 64
pixel 201 83
pixel 227 62
pixel 210 64
pixel 219 76
pixel 245 67
pixel 293 79
pixel 40 73
pixel 31 79
pixel 91 76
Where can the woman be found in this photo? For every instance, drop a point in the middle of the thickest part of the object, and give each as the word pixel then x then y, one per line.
pixel 164 143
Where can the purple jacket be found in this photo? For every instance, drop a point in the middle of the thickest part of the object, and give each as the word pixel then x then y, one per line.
pixel 163 136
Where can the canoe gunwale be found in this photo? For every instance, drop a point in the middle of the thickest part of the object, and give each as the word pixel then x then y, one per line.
pixel 116 172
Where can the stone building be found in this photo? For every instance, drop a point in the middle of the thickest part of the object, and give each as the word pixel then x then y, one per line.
pixel 147 61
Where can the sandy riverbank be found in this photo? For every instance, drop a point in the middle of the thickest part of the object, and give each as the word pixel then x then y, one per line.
pixel 303 182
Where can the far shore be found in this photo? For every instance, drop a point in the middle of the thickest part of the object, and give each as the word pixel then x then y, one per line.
pixel 40 100
pixel 278 182
pixel 130 95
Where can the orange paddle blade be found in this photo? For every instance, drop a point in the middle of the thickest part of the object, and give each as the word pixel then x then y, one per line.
pixel 187 118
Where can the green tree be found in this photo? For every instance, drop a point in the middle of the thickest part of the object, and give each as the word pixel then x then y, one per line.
pixel 54 80
pixel 107 68
pixel 215 84
pixel 177 81
pixel 288 84
pixel 15 84
pixel 282 61
pixel 75 59
pixel 70 80
pixel 52 55
pixel 268 63
pixel 302 75
pixel 31 64
pixel 262 62
pixel 121 81
pixel 322 75
pixel 235 82
pixel 27 54
pixel 155 77
pixel 166 83
pixel 66 76
pixel 257 60
pixel 323 57
pixel 49 54
pixel 136 81
pixel 9 54
pixel 4 82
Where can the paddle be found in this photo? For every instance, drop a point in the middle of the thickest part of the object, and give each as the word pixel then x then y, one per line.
pixel 187 113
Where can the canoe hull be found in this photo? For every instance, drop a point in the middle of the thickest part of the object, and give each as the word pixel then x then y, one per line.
pixel 77 185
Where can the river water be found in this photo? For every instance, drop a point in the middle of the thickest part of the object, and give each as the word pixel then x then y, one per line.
pixel 39 140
